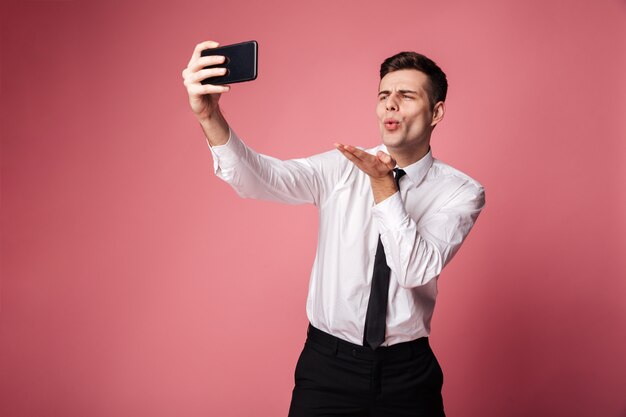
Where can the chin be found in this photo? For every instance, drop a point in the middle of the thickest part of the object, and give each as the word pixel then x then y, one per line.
pixel 391 140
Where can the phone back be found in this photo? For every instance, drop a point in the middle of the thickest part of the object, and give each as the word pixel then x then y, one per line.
pixel 241 63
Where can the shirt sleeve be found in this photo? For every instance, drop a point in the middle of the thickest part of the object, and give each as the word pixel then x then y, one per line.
pixel 417 252
pixel 294 181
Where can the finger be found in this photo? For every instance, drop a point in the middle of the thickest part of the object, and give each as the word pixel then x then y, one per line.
pixel 361 157
pixel 359 153
pixel 341 147
pixel 201 90
pixel 207 73
pixel 201 47
pixel 386 159
pixel 207 61
pixel 345 148
pixel 347 154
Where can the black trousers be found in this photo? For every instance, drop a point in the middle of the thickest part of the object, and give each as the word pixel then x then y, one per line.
pixel 334 377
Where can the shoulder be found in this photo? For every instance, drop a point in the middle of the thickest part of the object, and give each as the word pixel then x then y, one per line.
pixel 456 187
pixel 440 171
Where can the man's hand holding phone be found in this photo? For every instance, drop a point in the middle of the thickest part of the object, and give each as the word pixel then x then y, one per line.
pixel 206 78
pixel 204 98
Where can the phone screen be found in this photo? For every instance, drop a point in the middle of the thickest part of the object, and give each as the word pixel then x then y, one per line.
pixel 241 63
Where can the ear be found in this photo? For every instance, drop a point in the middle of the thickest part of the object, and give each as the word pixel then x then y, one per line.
pixel 438 111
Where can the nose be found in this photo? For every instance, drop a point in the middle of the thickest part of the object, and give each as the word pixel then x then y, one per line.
pixel 391 104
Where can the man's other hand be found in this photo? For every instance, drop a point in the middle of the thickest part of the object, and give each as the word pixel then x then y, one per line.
pixel 376 166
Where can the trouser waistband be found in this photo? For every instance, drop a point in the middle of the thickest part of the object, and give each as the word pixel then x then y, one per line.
pixel 334 344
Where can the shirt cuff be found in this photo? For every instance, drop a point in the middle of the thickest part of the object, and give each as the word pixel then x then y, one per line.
pixel 390 214
pixel 220 152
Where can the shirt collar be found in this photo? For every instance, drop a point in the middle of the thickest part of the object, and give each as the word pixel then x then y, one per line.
pixel 417 170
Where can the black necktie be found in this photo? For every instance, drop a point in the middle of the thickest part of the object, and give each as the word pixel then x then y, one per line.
pixel 376 317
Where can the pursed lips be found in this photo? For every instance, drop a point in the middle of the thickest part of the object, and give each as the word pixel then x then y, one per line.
pixel 391 124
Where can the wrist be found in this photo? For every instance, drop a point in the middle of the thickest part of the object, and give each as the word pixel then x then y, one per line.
pixel 208 118
pixel 384 180
pixel 215 129
pixel 383 187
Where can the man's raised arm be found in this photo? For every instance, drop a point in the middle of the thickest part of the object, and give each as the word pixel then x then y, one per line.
pixel 251 174
pixel 204 99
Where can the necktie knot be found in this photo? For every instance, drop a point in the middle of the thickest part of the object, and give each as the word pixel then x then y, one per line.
pixel 398 173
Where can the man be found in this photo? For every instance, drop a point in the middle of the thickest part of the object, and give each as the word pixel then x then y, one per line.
pixel 383 241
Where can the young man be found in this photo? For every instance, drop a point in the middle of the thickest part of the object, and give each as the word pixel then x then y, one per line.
pixel 390 219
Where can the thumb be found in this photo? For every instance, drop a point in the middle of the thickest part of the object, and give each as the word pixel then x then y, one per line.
pixel 386 159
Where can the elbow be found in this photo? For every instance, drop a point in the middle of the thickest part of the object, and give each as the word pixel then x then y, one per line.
pixel 410 282
pixel 421 271
pixel 243 194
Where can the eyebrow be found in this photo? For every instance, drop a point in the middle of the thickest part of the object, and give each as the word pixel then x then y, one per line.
pixel 400 91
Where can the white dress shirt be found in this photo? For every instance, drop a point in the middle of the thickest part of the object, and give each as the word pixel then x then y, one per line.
pixel 421 227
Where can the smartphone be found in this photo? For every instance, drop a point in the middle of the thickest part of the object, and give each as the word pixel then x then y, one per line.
pixel 240 64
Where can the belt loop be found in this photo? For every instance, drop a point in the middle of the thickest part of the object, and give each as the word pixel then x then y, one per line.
pixel 335 347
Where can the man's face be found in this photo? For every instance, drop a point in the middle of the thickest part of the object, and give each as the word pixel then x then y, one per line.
pixel 405 117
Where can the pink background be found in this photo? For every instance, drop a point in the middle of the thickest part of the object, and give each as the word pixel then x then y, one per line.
pixel 135 283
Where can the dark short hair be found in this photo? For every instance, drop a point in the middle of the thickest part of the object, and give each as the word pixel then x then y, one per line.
pixel 438 87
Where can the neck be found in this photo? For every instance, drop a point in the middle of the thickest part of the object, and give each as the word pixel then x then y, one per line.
pixel 405 157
